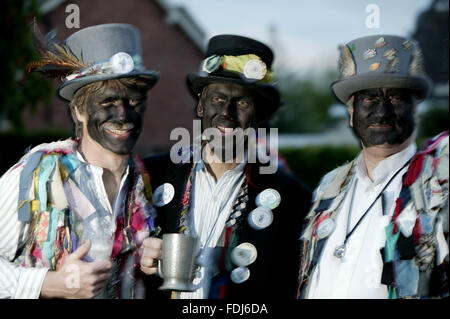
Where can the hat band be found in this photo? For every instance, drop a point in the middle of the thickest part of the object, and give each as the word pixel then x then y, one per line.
pixel 119 63
pixel 249 67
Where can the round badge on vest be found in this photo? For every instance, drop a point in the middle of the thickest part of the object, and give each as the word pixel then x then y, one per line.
pixel 244 254
pixel 163 194
pixel 325 228
pixel 260 218
pixel 239 275
pixel 269 198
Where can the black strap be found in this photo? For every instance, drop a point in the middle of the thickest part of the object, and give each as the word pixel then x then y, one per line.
pixel 374 201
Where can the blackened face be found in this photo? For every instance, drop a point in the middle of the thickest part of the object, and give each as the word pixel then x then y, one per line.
pixel 114 118
pixel 226 108
pixel 383 116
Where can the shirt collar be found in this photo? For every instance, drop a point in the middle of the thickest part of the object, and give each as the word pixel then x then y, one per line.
pixel 235 170
pixel 99 169
pixel 387 166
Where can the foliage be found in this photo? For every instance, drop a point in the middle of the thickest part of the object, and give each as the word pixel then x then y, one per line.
pixel 19 91
pixel 433 121
pixel 310 163
pixel 306 102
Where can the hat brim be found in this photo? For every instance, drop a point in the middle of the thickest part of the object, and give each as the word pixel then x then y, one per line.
pixel 269 97
pixel 343 89
pixel 68 89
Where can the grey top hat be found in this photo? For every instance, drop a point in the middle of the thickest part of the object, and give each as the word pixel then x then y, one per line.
pixel 381 61
pixel 110 51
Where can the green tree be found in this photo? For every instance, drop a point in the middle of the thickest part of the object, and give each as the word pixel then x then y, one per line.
pixel 19 90
pixel 306 102
pixel 433 121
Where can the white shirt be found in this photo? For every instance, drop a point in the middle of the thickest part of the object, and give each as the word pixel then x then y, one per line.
pixel 25 283
pixel 358 274
pixel 211 205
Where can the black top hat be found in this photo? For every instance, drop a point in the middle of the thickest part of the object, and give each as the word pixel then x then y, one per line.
pixel 111 51
pixel 240 60
pixel 381 61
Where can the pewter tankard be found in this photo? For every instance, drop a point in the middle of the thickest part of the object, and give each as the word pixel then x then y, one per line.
pixel 178 262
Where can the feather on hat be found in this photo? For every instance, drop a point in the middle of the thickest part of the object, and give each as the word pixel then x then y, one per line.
pixel 56 60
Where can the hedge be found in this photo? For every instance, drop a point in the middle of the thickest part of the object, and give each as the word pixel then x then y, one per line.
pixel 310 163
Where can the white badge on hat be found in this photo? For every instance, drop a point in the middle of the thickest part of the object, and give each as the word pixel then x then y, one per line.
pixel 210 64
pixel 163 194
pixel 255 69
pixel 260 218
pixel 244 254
pixel 122 62
pixel 239 275
pixel 269 198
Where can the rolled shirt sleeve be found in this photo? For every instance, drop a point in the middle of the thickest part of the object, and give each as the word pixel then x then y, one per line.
pixel 18 282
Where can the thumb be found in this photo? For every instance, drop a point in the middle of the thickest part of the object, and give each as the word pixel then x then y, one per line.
pixel 81 251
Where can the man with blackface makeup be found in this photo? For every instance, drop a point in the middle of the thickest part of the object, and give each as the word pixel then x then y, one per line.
pixel 378 225
pixel 247 221
pixel 74 213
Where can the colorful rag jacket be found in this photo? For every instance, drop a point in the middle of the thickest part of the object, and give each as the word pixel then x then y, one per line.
pixel 415 255
pixel 56 227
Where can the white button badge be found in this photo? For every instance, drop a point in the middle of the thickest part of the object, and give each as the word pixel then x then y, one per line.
pixel 244 254
pixel 163 194
pixel 269 198
pixel 122 62
pixel 239 275
pixel 325 228
pixel 255 69
pixel 260 218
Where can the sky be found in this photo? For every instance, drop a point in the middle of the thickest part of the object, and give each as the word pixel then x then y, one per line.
pixel 304 34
